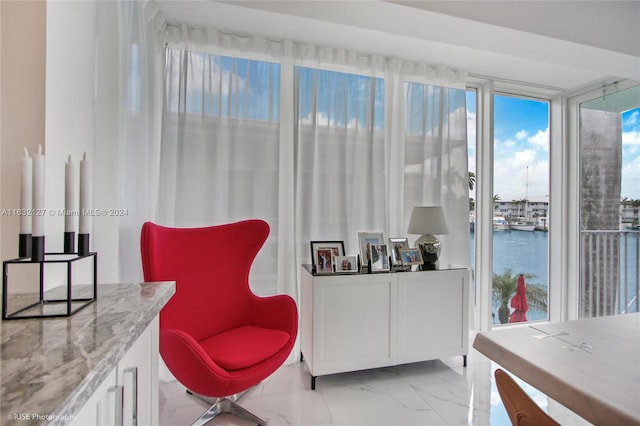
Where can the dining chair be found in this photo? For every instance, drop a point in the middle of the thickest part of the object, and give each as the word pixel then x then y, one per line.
pixel 521 409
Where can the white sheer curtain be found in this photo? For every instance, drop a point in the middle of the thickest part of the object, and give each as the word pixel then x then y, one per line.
pixel 435 162
pixel 332 152
pixel 220 155
pixel 340 157
pixel 129 78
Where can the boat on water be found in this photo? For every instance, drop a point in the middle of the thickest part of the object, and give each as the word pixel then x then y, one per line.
pixel 500 223
pixel 522 224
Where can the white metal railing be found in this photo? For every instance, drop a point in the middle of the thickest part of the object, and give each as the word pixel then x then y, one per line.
pixel 609 272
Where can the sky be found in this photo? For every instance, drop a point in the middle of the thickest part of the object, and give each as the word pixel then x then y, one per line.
pixel 521 148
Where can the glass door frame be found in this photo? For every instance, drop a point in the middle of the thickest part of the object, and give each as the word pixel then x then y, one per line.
pixel 557 215
pixel 572 190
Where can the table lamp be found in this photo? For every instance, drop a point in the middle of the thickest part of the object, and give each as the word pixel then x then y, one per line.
pixel 428 221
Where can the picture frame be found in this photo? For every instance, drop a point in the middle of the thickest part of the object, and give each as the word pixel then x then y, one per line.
pixel 411 256
pixel 366 239
pixel 395 244
pixel 379 258
pixel 323 253
pixel 346 264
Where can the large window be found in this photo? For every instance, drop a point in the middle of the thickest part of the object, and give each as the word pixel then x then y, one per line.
pixel 351 152
pixel 520 210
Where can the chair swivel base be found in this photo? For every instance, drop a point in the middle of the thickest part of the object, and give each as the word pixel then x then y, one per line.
pixel 225 405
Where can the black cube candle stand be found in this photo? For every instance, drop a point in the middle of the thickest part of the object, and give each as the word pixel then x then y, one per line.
pixel 49 304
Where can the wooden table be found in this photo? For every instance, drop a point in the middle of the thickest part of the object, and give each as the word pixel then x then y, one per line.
pixel 591 366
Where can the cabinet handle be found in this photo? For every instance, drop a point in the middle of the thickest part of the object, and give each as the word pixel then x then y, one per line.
pixel 118 391
pixel 134 391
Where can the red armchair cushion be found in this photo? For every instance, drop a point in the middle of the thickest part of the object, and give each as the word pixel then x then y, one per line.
pixel 244 346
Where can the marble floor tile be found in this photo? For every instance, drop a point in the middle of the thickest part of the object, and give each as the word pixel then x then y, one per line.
pixel 438 392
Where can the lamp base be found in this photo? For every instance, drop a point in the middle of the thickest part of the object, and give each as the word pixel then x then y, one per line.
pixel 430 248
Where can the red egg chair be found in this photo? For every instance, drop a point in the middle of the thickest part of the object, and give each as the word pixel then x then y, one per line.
pixel 217 337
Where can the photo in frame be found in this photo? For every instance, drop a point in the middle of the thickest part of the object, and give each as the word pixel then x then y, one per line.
pixel 346 264
pixel 411 256
pixel 379 258
pixel 323 253
pixel 396 244
pixel 365 240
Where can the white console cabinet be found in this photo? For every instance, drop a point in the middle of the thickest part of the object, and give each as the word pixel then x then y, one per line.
pixel 356 322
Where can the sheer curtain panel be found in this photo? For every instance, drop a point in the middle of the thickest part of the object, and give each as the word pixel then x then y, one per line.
pixel 128 116
pixel 435 166
pixel 219 152
pixel 340 157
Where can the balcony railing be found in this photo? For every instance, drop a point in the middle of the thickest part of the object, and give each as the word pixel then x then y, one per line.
pixel 609 273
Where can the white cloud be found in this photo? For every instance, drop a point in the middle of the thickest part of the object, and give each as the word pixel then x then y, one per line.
pixel 540 139
pixel 631 138
pixel 520 175
pixel 521 135
pixel 505 144
pixel 631 179
pixel 524 158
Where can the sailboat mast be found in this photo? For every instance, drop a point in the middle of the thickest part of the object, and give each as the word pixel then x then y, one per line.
pixel 526 195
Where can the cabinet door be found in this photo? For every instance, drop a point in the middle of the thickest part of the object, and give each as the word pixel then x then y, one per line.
pixel 432 315
pixel 135 376
pixel 352 322
pixel 101 408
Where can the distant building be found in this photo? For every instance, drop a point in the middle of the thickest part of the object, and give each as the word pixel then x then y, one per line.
pixel 531 209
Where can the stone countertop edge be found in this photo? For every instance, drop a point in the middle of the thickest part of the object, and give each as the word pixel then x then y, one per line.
pixel 115 302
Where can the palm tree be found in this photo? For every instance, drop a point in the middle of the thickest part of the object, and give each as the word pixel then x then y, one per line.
pixel 472 180
pixel 504 287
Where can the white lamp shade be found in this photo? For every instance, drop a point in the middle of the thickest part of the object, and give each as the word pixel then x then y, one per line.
pixel 428 221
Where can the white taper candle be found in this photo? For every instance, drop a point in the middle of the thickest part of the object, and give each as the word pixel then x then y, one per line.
pixel 69 196
pixel 38 193
pixel 26 193
pixel 85 196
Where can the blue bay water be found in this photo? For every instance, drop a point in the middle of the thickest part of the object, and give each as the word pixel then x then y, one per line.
pixel 527 253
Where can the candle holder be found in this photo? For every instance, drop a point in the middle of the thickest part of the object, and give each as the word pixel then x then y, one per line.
pixel 83 244
pixel 69 242
pixel 77 290
pixel 37 248
pixel 24 245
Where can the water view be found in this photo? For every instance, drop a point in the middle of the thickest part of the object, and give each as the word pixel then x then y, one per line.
pixel 527 253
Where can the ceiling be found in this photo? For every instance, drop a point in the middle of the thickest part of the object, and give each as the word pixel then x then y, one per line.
pixel 556 46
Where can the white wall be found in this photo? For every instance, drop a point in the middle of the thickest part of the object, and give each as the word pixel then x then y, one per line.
pixel 22 92
pixel 71 125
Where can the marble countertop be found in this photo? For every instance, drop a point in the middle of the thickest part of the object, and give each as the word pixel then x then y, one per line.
pixel 51 367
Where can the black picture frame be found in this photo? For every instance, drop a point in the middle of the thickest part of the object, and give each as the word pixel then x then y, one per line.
pixel 321 263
